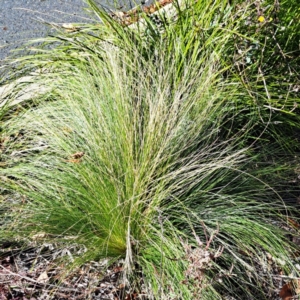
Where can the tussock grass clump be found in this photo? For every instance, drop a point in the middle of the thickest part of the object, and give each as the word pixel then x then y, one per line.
pixel 143 145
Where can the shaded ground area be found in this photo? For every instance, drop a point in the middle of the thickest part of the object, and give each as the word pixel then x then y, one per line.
pixel 37 273
pixel 41 272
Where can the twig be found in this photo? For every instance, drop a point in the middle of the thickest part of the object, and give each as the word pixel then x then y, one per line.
pixel 18 275
pixel 34 281
pixel 265 84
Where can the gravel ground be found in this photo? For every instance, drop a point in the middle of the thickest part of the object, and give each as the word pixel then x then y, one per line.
pixel 21 20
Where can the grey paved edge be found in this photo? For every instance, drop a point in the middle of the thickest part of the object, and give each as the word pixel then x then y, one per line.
pixel 22 20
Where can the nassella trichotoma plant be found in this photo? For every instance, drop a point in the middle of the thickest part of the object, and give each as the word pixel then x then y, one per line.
pixel 129 152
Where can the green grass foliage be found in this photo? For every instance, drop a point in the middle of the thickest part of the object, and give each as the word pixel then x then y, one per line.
pixel 172 147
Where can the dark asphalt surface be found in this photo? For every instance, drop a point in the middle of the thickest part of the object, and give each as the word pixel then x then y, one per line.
pixel 22 20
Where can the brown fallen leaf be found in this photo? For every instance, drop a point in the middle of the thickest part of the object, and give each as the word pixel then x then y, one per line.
pixel 43 278
pixel 134 15
pixel 39 236
pixel 77 155
pixel 70 27
pixel 121 286
pixel 285 292
pixel 290 289
pixel 293 223
pixel 118 269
